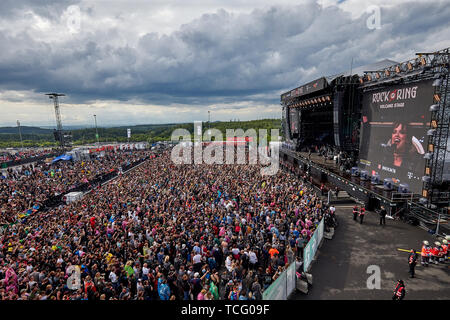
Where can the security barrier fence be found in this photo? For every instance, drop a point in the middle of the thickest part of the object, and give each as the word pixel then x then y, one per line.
pixel 285 284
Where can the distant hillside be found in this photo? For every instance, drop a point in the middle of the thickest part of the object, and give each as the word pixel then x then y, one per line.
pixel 35 136
pixel 24 130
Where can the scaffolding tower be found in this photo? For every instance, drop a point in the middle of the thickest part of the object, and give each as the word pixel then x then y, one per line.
pixel 59 130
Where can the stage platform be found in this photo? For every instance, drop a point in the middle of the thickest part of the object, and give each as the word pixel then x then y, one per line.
pixel 327 172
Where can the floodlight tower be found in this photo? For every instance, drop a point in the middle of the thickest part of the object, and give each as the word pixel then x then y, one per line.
pixel 20 133
pixel 59 131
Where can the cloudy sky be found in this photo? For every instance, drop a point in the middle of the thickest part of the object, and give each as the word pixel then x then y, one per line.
pixel 160 61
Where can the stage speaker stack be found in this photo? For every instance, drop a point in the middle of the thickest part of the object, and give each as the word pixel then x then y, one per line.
pixel 337 130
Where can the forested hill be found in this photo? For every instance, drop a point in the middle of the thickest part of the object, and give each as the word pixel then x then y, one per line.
pixel 35 136
pixel 24 130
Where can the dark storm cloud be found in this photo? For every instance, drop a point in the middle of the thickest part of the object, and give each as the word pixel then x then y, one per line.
pixel 217 58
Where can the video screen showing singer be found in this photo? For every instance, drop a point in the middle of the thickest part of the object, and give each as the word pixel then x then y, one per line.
pixel 403 151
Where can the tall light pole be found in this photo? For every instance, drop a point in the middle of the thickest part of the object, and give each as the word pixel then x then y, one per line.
pixel 60 135
pixel 209 119
pixel 96 130
pixel 20 133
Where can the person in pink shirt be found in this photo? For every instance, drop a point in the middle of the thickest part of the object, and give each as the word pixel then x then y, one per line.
pixel 222 231
pixel 201 295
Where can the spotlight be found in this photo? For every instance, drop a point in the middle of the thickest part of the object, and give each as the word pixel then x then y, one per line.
pixel 434 107
pixel 428 156
pixel 424 194
pixel 426 179
pixel 409 66
pixel 436 83
pixel 387 73
pixel 369 78
pixel 397 69
pixel 431 132
pixel 423 61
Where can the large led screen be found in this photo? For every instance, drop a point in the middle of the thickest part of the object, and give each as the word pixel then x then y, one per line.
pixel 394 128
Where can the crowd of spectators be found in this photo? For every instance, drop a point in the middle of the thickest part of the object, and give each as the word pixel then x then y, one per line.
pixel 25 188
pixel 7 156
pixel 164 232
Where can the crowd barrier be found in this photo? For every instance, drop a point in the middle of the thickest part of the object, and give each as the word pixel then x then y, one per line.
pixel 281 288
pixel 310 250
pixel 285 284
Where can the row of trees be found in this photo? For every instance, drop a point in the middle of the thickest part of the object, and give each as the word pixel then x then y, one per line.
pixel 149 133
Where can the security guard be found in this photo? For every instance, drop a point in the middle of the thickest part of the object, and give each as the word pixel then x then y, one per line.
pixel 441 253
pixel 383 214
pixel 412 261
pixel 399 291
pixel 355 212
pixel 425 254
pixel 362 212
pixel 435 252
pixel 445 247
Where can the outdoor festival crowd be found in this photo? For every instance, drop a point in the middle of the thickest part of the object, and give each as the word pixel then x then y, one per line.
pixel 163 232
pixel 24 154
pixel 26 187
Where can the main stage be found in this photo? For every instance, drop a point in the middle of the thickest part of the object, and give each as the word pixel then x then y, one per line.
pixel 385 130
pixel 326 172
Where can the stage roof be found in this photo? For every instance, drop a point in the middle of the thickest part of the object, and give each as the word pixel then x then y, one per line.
pixel 323 82
pixel 360 70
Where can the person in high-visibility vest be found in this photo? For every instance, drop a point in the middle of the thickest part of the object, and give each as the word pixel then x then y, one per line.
pixel 441 253
pixel 362 212
pixel 425 254
pixel 435 252
pixel 399 291
pixel 445 247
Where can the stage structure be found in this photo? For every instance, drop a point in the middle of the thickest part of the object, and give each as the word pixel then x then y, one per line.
pixel 392 118
pixel 326 111
pixel 429 116
pixel 64 138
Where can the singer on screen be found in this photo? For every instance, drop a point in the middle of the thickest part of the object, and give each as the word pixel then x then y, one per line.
pixel 406 151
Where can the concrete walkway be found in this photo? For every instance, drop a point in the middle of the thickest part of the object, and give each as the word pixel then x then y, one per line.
pixel 340 271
